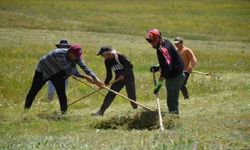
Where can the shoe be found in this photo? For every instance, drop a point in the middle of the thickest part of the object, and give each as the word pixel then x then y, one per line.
pixel 98 113
pixel 64 112
pixel 26 108
pixel 135 106
pixel 186 97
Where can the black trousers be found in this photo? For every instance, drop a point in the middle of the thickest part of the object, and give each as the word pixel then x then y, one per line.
pixel 58 81
pixel 129 82
pixel 184 90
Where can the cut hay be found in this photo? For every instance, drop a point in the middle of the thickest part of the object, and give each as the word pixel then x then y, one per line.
pixel 141 120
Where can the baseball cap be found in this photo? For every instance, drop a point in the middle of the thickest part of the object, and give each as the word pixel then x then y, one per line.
pixel 76 50
pixel 177 40
pixel 104 49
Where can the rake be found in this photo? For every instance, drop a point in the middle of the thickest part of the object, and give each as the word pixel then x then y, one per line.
pixel 145 107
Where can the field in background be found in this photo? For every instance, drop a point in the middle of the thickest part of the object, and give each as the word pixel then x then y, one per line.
pixel 223 20
pixel 216 117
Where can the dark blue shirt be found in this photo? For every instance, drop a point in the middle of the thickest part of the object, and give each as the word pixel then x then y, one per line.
pixel 120 65
pixel 170 61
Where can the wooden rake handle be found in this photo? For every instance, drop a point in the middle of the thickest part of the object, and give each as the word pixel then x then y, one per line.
pixel 93 92
pixel 76 78
pixel 114 93
pixel 127 98
pixel 158 107
pixel 85 96
pixel 202 73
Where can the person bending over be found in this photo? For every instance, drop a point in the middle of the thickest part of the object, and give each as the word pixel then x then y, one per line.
pixel 123 74
pixel 57 66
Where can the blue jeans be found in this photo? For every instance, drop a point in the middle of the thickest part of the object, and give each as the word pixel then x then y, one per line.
pixel 52 90
pixel 173 86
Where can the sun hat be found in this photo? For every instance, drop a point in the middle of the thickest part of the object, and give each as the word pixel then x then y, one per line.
pixel 63 44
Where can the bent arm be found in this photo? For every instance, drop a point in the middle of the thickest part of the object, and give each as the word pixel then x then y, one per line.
pixel 88 78
pixel 192 62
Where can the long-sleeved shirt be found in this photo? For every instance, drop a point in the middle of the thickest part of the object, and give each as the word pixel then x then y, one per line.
pixel 188 58
pixel 57 61
pixel 120 65
pixel 170 61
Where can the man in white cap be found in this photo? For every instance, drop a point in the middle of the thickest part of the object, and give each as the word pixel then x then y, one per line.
pixel 189 62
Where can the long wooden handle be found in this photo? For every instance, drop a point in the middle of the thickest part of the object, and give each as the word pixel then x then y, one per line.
pixel 84 96
pixel 159 113
pixel 199 72
pixel 127 98
pixel 90 93
pixel 74 77
pixel 158 107
pixel 114 93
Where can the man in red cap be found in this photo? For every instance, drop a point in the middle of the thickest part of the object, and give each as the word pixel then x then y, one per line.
pixel 171 66
pixel 57 66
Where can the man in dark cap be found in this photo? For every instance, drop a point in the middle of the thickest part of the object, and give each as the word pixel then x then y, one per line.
pixel 63 44
pixel 123 74
pixel 57 66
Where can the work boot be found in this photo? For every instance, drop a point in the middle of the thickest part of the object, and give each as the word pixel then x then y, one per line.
pixel 133 105
pixel 98 113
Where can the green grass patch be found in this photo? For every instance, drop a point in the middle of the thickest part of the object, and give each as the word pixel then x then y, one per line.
pixel 206 20
pixel 217 102
pixel 215 117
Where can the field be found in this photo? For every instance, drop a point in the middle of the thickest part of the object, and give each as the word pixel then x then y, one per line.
pixel 217 116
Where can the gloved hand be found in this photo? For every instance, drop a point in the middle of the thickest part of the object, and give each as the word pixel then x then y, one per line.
pixel 157 87
pixel 154 68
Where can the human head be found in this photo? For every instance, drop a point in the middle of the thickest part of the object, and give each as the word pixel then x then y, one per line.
pixel 105 52
pixel 63 44
pixel 154 37
pixel 75 52
pixel 178 41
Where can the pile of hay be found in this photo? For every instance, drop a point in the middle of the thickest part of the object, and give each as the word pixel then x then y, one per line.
pixel 140 120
